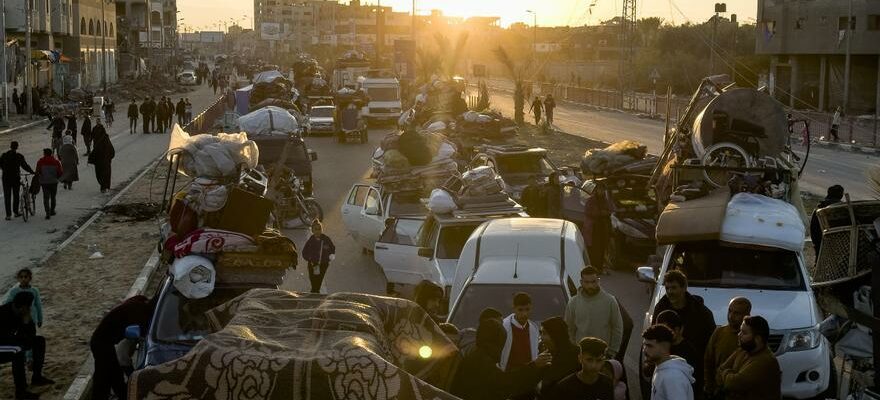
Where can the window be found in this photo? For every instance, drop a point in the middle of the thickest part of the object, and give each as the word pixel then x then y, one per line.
pixel 547 301
pixel 713 264
pixel 823 20
pixel 82 27
pixel 800 23
pixel 356 198
pixel 841 23
pixel 104 28
pixel 452 241
pixel 111 29
pixel 91 27
pixel 873 22
pixel 371 206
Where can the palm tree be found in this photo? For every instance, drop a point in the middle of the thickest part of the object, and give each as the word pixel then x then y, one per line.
pixel 517 72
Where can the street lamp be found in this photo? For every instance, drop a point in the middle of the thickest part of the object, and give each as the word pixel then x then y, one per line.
pixel 535 37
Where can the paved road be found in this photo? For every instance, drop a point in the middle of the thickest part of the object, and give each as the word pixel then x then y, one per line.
pixel 825 167
pixel 25 243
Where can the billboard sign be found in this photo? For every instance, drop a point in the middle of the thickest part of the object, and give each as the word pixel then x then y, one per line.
pixel 270 31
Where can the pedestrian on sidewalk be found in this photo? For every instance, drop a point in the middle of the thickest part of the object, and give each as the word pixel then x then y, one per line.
pixel 86 131
pixel 319 251
pixel 752 372
pixel 833 196
pixel 72 126
pixel 102 156
pixel 109 375
pixel 17 329
pixel 24 277
pixel 69 156
pixel 16 99
pixel 57 127
pixel 549 105
pixel 132 117
pixel 536 108
pixel 595 313
pixel 180 110
pixel 169 118
pixel 214 84
pixel 673 377
pixel 109 109
pixel 49 171
pixel 835 124
pixel 188 111
pixel 11 163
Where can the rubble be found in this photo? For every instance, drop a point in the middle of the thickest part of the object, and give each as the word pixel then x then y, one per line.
pixel 141 88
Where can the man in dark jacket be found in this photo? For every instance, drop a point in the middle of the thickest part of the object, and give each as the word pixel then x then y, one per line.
pixel 145 114
pixel 57 126
pixel 71 126
pixel 18 332
pixel 835 194
pixel 49 171
pixel 87 133
pixel 478 376
pixel 11 163
pixel 160 115
pixel 133 116
pixel 698 320
pixel 318 251
pixel 533 200
pixel 109 375
pixel 554 336
pixel 180 110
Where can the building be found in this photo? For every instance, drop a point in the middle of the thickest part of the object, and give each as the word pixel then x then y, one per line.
pixel 94 38
pixel 807 42
pixel 148 31
pixel 51 24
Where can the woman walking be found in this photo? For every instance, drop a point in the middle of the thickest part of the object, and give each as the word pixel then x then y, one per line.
pixel 102 156
pixel 69 162
pixel 318 252
pixel 86 132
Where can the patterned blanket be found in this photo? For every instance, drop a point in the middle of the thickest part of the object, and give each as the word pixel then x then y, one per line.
pixel 274 344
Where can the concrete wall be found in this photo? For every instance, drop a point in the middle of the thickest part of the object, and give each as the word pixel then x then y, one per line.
pixel 812 27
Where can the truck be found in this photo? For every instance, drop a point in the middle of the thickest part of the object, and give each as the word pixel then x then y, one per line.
pixel 348 68
pixel 384 98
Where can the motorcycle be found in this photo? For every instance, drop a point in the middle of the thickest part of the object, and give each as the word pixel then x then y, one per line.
pixel 292 203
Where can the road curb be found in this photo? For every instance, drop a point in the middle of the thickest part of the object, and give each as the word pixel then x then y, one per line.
pixel 79 389
pixel 853 148
pixel 21 127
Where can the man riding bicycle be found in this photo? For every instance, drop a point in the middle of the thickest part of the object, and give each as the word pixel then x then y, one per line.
pixel 11 163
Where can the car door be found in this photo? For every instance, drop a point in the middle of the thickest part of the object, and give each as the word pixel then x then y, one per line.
pixel 372 221
pixel 574 201
pixel 352 209
pixel 398 255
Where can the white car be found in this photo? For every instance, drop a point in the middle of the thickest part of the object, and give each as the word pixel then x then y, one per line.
pixel 186 78
pixel 367 207
pixel 542 257
pixel 322 120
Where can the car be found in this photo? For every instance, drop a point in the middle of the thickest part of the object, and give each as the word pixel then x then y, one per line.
pixel 186 78
pixel 632 208
pixel 368 206
pixel 540 256
pixel 432 254
pixel 178 323
pixel 322 120
pixel 750 259
pixel 515 164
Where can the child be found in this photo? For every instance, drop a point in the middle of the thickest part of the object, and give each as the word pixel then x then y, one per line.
pixel 318 252
pixel 24 277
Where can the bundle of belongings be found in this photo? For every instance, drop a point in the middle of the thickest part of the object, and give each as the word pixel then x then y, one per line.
pixel 271 88
pixel 275 344
pixel 268 120
pixel 413 161
pixel 487 125
pixel 219 221
pixel 602 162
pixel 479 190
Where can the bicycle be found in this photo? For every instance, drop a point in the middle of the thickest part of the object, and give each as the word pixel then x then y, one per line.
pixel 28 200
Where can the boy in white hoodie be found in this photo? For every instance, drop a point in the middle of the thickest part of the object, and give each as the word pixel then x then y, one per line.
pixel 673 377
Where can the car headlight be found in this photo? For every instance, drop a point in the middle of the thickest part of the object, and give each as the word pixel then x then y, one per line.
pixel 806 339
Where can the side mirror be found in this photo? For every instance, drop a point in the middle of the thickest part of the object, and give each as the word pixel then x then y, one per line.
pixel 646 274
pixel 313 155
pixel 133 332
pixel 426 252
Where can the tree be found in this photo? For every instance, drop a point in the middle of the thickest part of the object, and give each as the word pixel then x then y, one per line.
pixel 518 73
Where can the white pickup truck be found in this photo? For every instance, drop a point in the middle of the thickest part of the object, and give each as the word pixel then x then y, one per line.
pixel 367 207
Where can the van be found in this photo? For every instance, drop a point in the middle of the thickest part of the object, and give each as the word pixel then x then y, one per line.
pixel 540 256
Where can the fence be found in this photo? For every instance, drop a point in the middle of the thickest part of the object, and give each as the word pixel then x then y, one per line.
pixel 861 131
pixel 206 121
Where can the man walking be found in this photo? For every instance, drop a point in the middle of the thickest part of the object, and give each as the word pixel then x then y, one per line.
pixel 87 133
pixel 834 195
pixel 673 377
pixel 160 115
pixel 724 341
pixel 11 163
pixel 49 171
pixel 180 110
pixel 536 108
pixel 521 346
pixel 17 330
pixel 71 126
pixel 549 105
pixel 594 313
pixel 752 372
pixel 145 115
pixel 698 320
pixel 16 100
pixel 835 125
pixel 132 116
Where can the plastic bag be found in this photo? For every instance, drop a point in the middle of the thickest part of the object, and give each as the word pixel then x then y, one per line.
pixel 441 202
pixel 437 126
pixel 207 195
pixel 445 151
pixel 214 156
pixel 193 276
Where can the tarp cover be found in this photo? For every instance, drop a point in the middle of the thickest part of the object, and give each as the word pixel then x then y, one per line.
pixel 268 120
pixel 274 344
pixel 268 76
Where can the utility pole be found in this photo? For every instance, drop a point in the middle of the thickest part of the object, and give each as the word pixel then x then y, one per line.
pixel 627 49
pixel 149 24
pixel 846 68
pixel 380 31
pixel 103 47
pixel 5 121
pixel 719 8
pixel 27 55
pixel 733 50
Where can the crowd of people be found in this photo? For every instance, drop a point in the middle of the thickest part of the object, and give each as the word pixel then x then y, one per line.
pixel 579 355
pixel 157 116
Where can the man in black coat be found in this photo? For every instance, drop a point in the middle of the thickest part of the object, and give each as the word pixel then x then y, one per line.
pixel 478 376
pixel 147 114
pixel 71 126
pixel 11 164
pixel 132 116
pixel 160 116
pixel 108 374
pixel 699 323
pixel 834 195
pixel 17 331
pixel 554 335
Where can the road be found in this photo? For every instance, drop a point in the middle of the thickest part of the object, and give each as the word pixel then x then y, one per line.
pixel 825 167
pixel 27 242
pixel 341 165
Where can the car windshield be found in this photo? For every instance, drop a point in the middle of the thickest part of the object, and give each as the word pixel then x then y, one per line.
pixel 533 164
pixel 713 264
pixel 383 93
pixel 321 112
pixel 547 301
pixel 452 240
pixel 179 319
pixel 407 204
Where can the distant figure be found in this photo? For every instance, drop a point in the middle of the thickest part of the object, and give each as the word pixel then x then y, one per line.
pixel 180 110
pixel 69 162
pixel 834 195
pixel 102 156
pixel 71 126
pixel 132 116
pixel 532 198
pixel 11 163
pixel 109 109
pixel 549 105
pixel 57 127
pixel 188 111
pixel 145 114
pixel 16 100
pixel 49 171
pixel 87 133
pixel 835 125
pixel 318 251
pixel 536 108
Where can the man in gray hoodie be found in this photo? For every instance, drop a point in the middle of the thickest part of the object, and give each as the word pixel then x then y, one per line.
pixel 673 376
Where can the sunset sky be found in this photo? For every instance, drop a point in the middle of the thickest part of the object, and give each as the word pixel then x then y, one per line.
pixel 206 14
